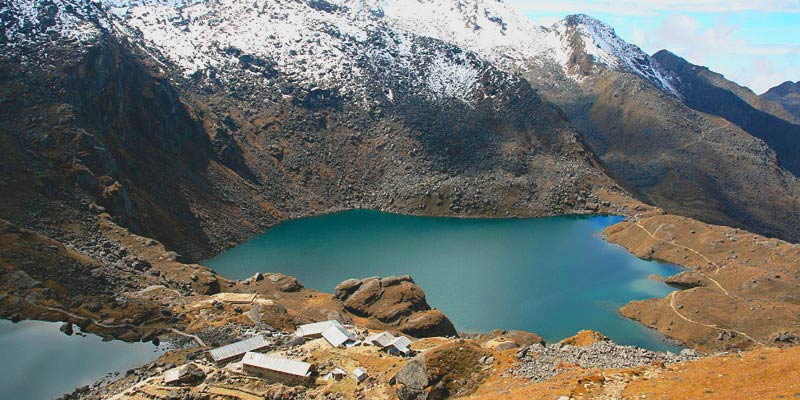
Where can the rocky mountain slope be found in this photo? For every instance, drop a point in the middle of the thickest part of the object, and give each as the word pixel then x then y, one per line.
pixel 786 94
pixel 709 92
pixel 627 108
pixel 306 108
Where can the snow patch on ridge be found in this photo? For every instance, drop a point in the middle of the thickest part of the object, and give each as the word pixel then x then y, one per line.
pixel 451 80
pixel 35 22
pixel 334 44
pixel 313 42
pixel 602 43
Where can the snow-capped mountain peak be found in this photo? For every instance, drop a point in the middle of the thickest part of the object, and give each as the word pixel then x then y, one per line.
pixel 325 43
pixel 602 43
pixel 508 38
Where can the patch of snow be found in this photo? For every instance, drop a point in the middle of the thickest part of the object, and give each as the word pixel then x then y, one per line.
pixel 314 42
pixel 34 22
pixel 449 79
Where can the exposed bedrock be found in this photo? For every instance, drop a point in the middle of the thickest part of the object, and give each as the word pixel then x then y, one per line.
pixel 394 300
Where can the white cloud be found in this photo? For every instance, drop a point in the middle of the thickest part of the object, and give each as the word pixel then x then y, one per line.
pixel 719 47
pixel 654 7
pixel 684 35
pixel 762 73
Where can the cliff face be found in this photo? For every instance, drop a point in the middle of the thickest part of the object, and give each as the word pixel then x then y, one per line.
pixel 100 127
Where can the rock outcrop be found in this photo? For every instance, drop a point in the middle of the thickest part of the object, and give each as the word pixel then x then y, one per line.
pixel 584 338
pixel 450 370
pixel 393 301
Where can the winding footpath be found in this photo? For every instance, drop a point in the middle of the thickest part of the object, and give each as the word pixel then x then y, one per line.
pixel 673 295
pixel 717 266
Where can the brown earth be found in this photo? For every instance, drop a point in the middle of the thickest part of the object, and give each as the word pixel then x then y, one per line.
pixel 461 369
pixel 765 373
pixel 452 369
pixel 739 289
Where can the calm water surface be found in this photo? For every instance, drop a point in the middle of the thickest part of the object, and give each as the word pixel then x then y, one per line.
pixel 39 362
pixel 552 276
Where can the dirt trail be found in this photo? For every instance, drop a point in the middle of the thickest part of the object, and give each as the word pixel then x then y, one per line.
pixel 717 266
pixel 79 317
pixel 673 295
pixel 712 326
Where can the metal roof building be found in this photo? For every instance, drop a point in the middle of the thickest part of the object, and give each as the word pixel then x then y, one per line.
pixel 401 344
pixel 380 339
pixel 360 374
pixel 277 368
pixel 316 328
pixel 336 373
pixel 238 349
pixel 388 341
pixel 337 335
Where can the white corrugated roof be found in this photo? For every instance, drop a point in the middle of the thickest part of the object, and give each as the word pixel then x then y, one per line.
pixel 381 339
pixel 238 348
pixel 360 373
pixel 337 335
pixel 280 364
pixel 401 343
pixel 316 328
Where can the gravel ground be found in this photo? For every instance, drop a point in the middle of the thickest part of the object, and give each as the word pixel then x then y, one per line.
pixel 539 363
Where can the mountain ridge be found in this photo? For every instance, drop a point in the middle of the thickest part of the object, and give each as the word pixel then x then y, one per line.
pixel 787 94
pixel 709 92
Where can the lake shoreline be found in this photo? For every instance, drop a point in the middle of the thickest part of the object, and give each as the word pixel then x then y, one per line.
pixel 167 280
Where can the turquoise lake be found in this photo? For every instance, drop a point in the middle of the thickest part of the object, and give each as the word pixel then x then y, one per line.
pixel 553 276
pixel 40 362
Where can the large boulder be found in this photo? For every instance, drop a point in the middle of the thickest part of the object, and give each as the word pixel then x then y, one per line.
pixel 204 282
pixel 184 374
pixel 396 302
pixel 285 283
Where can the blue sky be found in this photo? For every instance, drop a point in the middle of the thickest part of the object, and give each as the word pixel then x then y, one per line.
pixel 755 43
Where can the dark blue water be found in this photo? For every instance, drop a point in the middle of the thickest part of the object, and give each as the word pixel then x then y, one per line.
pixel 552 276
pixel 39 362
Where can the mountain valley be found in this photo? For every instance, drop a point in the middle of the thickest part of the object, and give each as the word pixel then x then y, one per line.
pixel 142 137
